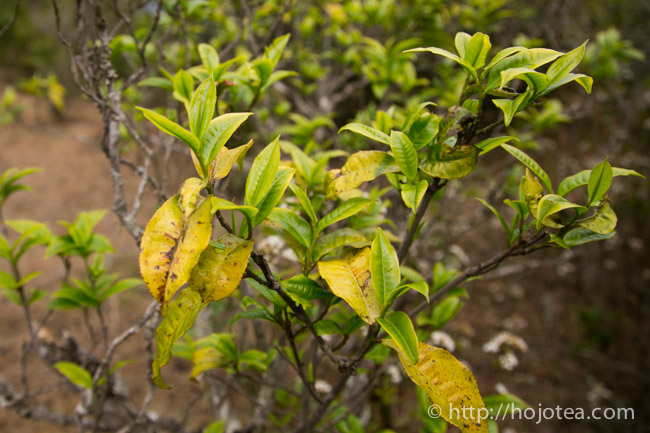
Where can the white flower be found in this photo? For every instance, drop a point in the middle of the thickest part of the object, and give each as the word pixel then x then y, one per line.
pixel 442 339
pixel 508 361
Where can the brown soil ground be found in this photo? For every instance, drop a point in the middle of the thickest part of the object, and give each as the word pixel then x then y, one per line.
pixel 583 316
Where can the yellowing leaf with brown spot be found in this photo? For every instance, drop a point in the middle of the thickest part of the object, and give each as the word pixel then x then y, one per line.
pixel 195 238
pixel 189 195
pixel 349 278
pixel 218 274
pixel 359 168
pixel 158 244
pixel 449 385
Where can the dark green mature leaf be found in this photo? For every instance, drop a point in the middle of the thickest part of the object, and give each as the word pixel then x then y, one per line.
pixel 202 107
pixel 293 224
pixel 306 287
pixel 530 163
pixel 600 180
pixel 367 131
pixel 345 210
pixel 405 154
pixel 448 162
pixel 582 178
pixel 400 328
pixel 180 317
pixel 384 268
pixel 582 235
pixel 263 171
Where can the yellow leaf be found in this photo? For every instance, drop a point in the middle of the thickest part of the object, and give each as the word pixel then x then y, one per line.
pixel 194 239
pixel 222 164
pixel 158 244
pixel 349 278
pixel 218 274
pixel 451 387
pixel 189 195
pixel 207 358
pixel 359 168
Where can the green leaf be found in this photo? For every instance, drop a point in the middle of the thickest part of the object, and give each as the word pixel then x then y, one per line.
pixel 449 385
pixel 183 87
pixel 565 64
pixel 582 235
pixel 349 278
pixel 510 107
pixel 505 404
pixel 274 51
pixel 501 55
pixel 584 80
pixel 367 131
pixel 600 180
pixel 293 224
pixel 202 108
pixel 173 129
pixel 160 82
pixel 179 319
pixel 530 163
pixel 360 167
pixel 603 221
pixel 412 194
pixel 536 81
pixel 549 205
pixel 338 238
pixel 7 281
pixel 445 311
pixel 280 183
pixel 119 287
pixel 218 132
pixel 492 143
pixel 495 212
pixel 327 327
pixel 400 328
pixel 384 268
pixel 75 374
pixel 461 40
pixel 345 210
pixel 306 287
pixel 477 50
pixel 222 204
pixel 465 65
pixel 262 173
pixel 209 57
pixel 217 274
pixel 448 162
pixel 582 178
pixel 303 198
pixel 405 155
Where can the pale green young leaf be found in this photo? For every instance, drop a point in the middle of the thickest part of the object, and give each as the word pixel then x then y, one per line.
pixel 506 403
pixel 75 374
pixel 274 51
pixel 460 41
pixel 280 183
pixel 600 180
pixel 218 132
pixel 209 57
pixel 262 173
pixel 492 143
pixel 565 64
pixel 183 87
pixel 338 238
pixel 173 129
pixel 536 81
pixel 399 327
pixel 510 107
pixel 477 50
pixel 439 51
pixel 202 107
pixel 345 210
pixel 530 163
pixel 404 153
pixel 582 178
pixel 367 131
pixel 414 114
pixel 584 80
pixel 223 204
pixel 507 52
pixel 179 319
pixel 412 194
